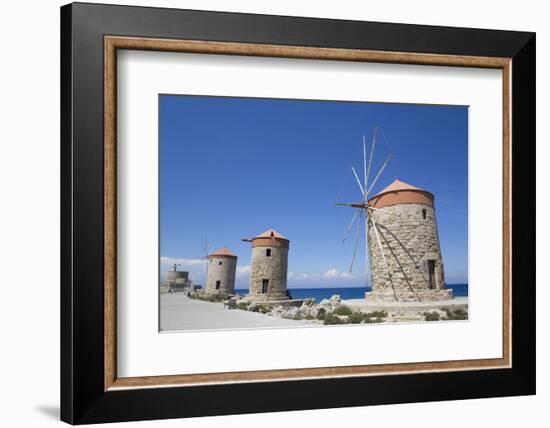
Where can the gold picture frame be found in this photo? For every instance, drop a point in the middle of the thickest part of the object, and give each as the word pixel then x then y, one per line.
pixel 114 43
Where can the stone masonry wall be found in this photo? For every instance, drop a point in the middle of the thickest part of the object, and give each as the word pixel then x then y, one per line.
pixel 172 276
pixel 274 268
pixel 408 241
pixel 224 272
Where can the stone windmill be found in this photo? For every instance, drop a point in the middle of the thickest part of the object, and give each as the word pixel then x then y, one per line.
pixel 269 271
pixel 401 239
pixel 222 266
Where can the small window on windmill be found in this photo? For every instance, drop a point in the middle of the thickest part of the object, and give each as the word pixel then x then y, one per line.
pixel 220 262
pixel 265 285
pixel 268 252
pixel 424 214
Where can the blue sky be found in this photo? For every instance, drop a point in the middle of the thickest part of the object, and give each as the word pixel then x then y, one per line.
pixel 231 168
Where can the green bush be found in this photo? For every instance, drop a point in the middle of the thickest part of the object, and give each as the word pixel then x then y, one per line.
pixel 378 314
pixel 356 317
pixel 259 308
pixel 368 320
pixel 310 317
pixel 263 309
pixel 460 314
pixel 212 297
pixel 431 316
pixel 321 313
pixel 343 310
pixel 457 314
pixel 297 316
pixel 242 305
pixel 332 319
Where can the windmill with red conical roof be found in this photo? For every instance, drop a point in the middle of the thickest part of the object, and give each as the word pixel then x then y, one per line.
pixel 268 273
pixel 222 267
pixel 402 250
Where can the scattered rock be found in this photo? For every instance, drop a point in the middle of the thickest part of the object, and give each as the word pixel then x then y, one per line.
pixel 331 308
pixel 442 314
pixel 253 307
pixel 332 303
pixel 231 303
pixel 325 302
pixel 335 299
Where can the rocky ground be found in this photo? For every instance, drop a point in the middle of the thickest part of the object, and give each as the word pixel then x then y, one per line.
pixel 337 311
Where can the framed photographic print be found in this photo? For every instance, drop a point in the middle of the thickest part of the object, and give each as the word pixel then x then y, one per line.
pixel 265 213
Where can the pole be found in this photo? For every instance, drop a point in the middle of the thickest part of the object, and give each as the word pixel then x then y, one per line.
pixel 367 246
pixel 365 168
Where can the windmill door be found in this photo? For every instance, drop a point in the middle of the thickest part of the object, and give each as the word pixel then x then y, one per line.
pixel 265 286
pixel 431 273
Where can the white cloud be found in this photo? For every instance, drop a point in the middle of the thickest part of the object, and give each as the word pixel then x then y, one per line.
pixel 195 267
pixel 243 270
pixel 169 261
pixel 335 273
pixel 330 274
pixel 293 275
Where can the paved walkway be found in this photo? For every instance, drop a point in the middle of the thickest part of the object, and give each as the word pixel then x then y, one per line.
pixel 178 312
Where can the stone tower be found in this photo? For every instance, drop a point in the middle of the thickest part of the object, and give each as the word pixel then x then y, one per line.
pixel 222 266
pixel 407 231
pixel 269 266
pixel 175 280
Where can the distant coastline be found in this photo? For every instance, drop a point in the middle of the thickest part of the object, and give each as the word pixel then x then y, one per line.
pixel 346 293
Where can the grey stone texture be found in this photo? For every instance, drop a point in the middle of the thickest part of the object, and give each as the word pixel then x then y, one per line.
pixel 175 281
pixel 173 276
pixel 273 268
pixel 222 269
pixel 410 242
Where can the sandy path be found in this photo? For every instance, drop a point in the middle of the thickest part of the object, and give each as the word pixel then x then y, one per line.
pixel 178 312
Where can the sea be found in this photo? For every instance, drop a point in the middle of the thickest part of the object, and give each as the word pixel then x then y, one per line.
pixel 459 290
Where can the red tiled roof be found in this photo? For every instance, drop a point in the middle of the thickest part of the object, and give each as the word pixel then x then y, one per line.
pixel 270 233
pixel 222 252
pixel 398 185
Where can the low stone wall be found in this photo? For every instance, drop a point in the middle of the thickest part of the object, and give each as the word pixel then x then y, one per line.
pixel 275 297
pixel 272 303
pixel 409 295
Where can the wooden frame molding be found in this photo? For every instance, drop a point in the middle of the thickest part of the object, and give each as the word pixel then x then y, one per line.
pixel 113 43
